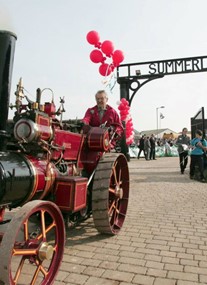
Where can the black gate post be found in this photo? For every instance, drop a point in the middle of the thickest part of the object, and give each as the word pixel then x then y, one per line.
pixel 124 88
pixel 124 93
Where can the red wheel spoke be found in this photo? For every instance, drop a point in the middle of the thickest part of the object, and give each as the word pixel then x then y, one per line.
pixel 24 252
pixel 35 275
pixel 40 236
pixel 120 182
pixel 114 172
pixel 122 214
pixel 114 215
pixel 44 272
pixel 19 269
pixel 111 190
pixel 43 224
pixel 117 210
pixel 111 207
pixel 41 268
pixel 26 236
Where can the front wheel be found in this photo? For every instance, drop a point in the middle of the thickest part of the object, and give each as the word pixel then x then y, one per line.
pixel 33 245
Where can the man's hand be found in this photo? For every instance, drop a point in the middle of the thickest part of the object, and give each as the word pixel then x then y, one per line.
pixel 103 125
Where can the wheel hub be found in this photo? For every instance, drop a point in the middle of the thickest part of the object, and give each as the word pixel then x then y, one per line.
pixel 45 251
pixel 119 192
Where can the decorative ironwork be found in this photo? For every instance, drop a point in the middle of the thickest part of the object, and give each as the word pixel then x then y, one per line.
pixel 133 83
pixel 133 76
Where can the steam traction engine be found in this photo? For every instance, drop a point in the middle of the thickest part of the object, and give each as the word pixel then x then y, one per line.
pixel 50 175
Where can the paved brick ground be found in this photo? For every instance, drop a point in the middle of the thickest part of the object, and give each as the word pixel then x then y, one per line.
pixel 163 240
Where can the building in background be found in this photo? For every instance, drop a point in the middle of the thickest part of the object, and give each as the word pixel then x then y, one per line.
pixel 161 133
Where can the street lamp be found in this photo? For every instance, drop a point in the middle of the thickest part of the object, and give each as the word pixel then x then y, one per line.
pixel 161 107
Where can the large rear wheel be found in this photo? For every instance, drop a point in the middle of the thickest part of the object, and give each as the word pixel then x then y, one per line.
pixel 32 246
pixel 110 193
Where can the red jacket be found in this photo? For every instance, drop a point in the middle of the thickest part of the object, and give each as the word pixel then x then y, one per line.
pixel 92 117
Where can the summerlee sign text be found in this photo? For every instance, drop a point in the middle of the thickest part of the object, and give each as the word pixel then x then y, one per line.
pixel 167 67
pixel 177 66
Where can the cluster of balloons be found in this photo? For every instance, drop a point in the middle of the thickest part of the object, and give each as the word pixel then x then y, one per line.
pixel 103 50
pixel 124 110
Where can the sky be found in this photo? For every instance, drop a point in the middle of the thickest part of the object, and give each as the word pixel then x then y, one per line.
pixel 52 52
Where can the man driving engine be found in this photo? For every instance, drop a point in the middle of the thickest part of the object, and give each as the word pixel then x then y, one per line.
pixel 101 113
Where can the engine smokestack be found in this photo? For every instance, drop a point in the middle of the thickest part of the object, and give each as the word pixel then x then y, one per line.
pixel 7 47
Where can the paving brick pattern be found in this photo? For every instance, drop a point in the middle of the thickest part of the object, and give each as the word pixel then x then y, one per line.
pixel 163 240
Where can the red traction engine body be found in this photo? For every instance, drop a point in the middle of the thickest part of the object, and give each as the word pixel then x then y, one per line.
pixel 44 161
pixel 54 177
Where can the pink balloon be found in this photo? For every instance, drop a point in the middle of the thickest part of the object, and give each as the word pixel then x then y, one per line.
pixel 123 117
pixel 124 112
pixel 128 133
pixel 124 101
pixel 96 56
pixel 93 37
pixel 105 69
pixel 118 57
pixel 129 125
pixel 126 107
pixel 121 107
pixel 107 47
pixel 129 141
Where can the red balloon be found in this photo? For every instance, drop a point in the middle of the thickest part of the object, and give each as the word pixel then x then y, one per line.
pixel 129 141
pixel 96 56
pixel 105 69
pixel 121 107
pixel 117 57
pixel 123 117
pixel 124 101
pixel 129 125
pixel 107 47
pixel 124 112
pixel 126 107
pixel 128 133
pixel 93 37
pixel 130 129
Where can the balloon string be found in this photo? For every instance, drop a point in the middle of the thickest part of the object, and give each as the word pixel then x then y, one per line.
pixel 112 85
pixel 107 71
pixel 109 83
pixel 105 77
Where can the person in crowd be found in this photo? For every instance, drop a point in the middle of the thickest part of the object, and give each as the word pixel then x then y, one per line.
pixel 152 145
pixel 183 142
pixel 167 148
pixel 147 148
pixel 101 113
pixel 199 147
pixel 141 146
